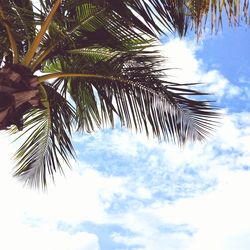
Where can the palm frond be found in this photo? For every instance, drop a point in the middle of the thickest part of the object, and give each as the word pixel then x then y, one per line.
pixel 95 54
pixel 24 14
pixel 35 44
pixel 82 27
pixel 160 14
pixel 132 87
pixel 49 143
pixel 21 20
pixel 12 40
pixel 201 10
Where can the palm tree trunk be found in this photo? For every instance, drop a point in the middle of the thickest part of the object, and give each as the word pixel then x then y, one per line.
pixel 19 92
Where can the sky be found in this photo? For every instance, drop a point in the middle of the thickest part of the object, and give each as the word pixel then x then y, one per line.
pixel 129 192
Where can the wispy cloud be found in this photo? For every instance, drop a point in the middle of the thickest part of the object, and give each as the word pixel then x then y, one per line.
pixel 181 55
pixel 243 79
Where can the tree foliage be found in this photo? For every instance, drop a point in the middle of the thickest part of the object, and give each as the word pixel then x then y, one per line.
pixel 100 63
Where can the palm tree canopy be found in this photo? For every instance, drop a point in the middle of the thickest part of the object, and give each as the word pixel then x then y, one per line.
pixel 101 56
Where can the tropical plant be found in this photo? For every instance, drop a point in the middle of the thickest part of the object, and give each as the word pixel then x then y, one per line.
pixel 101 57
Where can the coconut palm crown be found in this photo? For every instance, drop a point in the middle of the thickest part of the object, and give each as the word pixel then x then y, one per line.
pixel 97 63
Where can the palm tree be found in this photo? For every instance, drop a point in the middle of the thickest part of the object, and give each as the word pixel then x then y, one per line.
pixel 101 57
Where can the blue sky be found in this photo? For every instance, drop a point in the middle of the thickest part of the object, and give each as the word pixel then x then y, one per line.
pixel 128 192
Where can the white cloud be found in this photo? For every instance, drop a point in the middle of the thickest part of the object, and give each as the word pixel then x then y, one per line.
pixel 208 219
pixel 29 238
pixel 217 215
pixel 182 58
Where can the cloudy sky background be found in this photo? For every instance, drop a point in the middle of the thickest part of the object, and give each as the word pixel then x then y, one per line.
pixel 127 192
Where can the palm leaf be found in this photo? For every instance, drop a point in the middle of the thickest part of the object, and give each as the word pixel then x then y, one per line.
pixel 49 143
pixel 201 10
pixel 95 54
pixel 84 26
pixel 21 20
pixel 132 87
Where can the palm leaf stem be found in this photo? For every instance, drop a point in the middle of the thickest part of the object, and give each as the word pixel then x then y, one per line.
pixel 64 75
pixel 41 57
pixel 32 50
pixel 10 36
